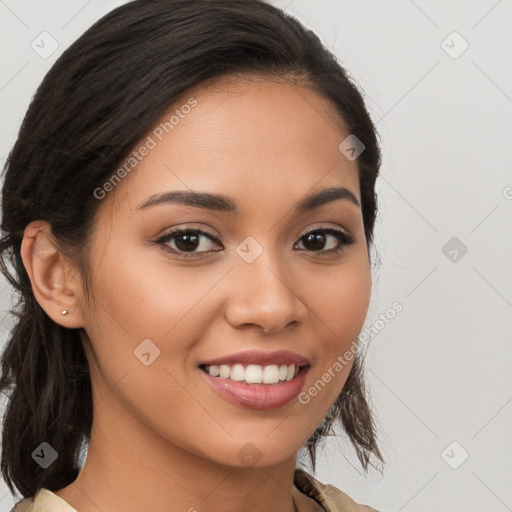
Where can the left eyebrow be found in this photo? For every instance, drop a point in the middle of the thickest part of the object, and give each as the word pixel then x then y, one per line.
pixel 325 196
pixel 219 202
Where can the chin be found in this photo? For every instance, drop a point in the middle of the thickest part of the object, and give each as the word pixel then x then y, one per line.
pixel 258 453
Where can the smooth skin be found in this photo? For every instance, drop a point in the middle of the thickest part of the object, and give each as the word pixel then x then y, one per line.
pixel 162 438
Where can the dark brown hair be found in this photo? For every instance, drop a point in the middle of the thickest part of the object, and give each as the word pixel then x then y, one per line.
pixel 102 95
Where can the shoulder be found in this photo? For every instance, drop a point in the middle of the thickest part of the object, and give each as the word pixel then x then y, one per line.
pixel 328 496
pixel 24 505
pixel 44 501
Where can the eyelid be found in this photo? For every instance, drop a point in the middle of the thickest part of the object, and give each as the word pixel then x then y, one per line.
pixel 178 229
pixel 325 227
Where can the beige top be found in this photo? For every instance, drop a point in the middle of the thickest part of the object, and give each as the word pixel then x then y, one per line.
pixel 309 495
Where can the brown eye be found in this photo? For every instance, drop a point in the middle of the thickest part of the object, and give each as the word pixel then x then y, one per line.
pixel 187 242
pixel 317 239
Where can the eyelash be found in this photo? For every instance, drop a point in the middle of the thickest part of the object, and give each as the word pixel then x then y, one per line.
pixel 343 237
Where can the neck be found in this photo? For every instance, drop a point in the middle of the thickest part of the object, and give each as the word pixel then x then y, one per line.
pixel 133 468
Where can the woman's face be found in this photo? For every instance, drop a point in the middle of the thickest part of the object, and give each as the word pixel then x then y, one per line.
pixel 243 290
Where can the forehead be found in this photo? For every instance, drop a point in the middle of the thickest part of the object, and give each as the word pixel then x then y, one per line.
pixel 249 139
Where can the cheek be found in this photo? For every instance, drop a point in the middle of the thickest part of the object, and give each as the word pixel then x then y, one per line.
pixel 138 300
pixel 170 307
pixel 341 309
pixel 340 299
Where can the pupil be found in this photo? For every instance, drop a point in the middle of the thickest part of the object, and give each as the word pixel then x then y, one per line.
pixel 318 240
pixel 190 242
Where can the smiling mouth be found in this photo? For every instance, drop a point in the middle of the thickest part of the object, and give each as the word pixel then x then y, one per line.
pixel 254 373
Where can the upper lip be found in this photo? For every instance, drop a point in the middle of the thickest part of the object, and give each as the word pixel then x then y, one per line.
pixel 279 357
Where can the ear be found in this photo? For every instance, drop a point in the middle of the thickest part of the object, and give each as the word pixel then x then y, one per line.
pixel 55 287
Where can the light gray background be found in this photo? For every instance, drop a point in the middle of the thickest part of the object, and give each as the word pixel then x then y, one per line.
pixel 439 372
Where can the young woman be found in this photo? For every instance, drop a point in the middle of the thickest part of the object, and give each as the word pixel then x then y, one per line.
pixel 187 218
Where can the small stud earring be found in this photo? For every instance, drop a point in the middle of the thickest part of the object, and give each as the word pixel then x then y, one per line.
pixel 64 312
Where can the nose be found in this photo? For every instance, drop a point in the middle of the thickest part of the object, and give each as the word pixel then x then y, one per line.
pixel 264 296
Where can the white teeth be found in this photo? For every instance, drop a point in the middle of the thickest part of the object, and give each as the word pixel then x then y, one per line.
pixel 237 372
pixel 270 374
pixel 254 373
pixel 224 371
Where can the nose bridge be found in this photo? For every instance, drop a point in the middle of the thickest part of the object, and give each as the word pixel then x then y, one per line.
pixel 264 294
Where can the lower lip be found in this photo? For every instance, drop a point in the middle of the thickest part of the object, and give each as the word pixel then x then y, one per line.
pixel 258 396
